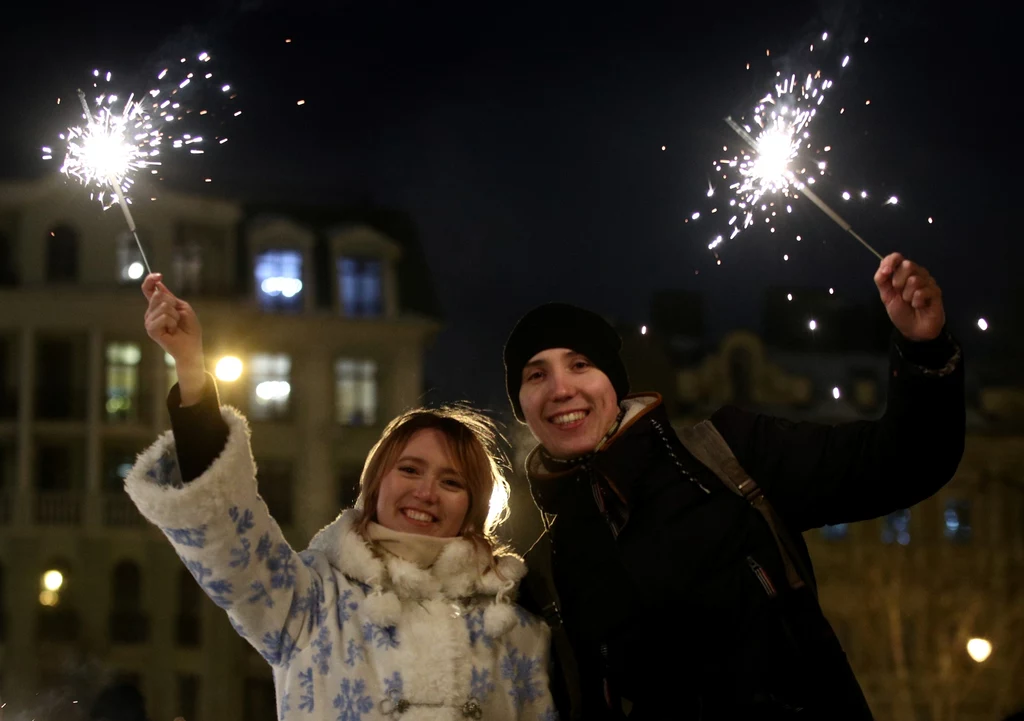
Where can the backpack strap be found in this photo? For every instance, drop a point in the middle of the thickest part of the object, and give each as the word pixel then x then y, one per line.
pixel 709 447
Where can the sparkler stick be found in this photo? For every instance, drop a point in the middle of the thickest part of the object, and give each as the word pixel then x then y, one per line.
pixel 116 186
pixel 813 197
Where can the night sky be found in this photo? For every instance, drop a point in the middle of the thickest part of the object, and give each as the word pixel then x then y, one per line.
pixel 526 141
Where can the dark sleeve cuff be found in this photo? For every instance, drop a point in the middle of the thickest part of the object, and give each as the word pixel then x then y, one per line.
pixel 939 356
pixel 200 432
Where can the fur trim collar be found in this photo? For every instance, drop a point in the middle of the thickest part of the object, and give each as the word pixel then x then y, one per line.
pixel 460 573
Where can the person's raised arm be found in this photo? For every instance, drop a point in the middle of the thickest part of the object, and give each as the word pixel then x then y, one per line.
pixel 817 474
pixel 198 485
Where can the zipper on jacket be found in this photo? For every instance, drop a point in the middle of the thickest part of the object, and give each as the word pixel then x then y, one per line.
pixel 762 576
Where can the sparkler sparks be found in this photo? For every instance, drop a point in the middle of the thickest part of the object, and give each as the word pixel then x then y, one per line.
pixel 120 139
pixel 775 163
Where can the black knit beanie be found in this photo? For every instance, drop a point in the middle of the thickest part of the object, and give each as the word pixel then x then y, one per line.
pixel 560 325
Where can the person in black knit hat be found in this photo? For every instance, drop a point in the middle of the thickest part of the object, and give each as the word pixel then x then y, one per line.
pixel 672 569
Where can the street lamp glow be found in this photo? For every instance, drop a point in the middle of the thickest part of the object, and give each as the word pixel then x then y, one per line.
pixel 813 325
pixel 53 580
pixel 836 393
pixel 228 368
pixel 643 330
pixel 979 649
pixel 982 323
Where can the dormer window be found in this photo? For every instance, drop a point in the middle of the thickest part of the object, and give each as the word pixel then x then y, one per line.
pixel 365 281
pixel 279 280
pixel 361 285
pixel 281 249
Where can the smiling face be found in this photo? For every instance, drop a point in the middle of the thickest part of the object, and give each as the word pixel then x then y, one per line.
pixel 423 492
pixel 568 402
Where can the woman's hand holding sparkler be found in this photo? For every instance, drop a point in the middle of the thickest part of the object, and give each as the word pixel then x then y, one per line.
pixel 174 326
pixel 911 297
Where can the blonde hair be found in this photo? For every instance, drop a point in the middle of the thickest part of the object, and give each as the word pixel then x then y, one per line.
pixel 472 442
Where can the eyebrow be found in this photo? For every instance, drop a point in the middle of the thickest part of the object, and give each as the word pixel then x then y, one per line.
pixel 447 470
pixel 542 361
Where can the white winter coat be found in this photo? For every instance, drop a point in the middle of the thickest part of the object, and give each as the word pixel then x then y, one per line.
pixel 351 634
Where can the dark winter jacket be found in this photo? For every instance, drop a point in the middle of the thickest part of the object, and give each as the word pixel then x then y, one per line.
pixel 674 599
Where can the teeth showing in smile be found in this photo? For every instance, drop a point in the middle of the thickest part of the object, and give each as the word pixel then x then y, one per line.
pixel 566 418
pixel 417 515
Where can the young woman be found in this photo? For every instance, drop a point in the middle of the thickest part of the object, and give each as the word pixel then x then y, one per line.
pixel 402 607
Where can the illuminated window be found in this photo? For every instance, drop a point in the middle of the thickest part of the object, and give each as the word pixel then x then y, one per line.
pixel 122 401
pixel 838 532
pixel 279 280
pixel 130 267
pixel 356 391
pixel 896 527
pixel 359 282
pixel 957 516
pixel 270 386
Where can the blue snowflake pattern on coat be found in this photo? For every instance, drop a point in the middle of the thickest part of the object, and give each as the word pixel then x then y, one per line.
pixel 310 603
pixel 352 702
pixel 263 547
pixel 355 653
pixel 323 646
pixel 520 671
pixel 281 565
pixel 215 589
pixel 475 625
pixel 165 471
pixel 187 537
pixel 260 593
pixel 384 636
pixel 307 700
pixel 393 685
pixel 239 629
pixel 240 555
pixel 285 704
pixel 243 520
pixel 480 684
pixel 345 606
pixel 278 648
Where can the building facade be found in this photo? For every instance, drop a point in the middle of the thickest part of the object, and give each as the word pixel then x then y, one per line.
pixel 323 316
pixel 928 601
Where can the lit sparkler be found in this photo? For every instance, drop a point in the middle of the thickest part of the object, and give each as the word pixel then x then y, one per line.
pixel 115 144
pixel 110 148
pixel 772 166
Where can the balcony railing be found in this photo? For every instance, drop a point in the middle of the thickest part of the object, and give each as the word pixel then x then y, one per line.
pixel 120 512
pixel 59 508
